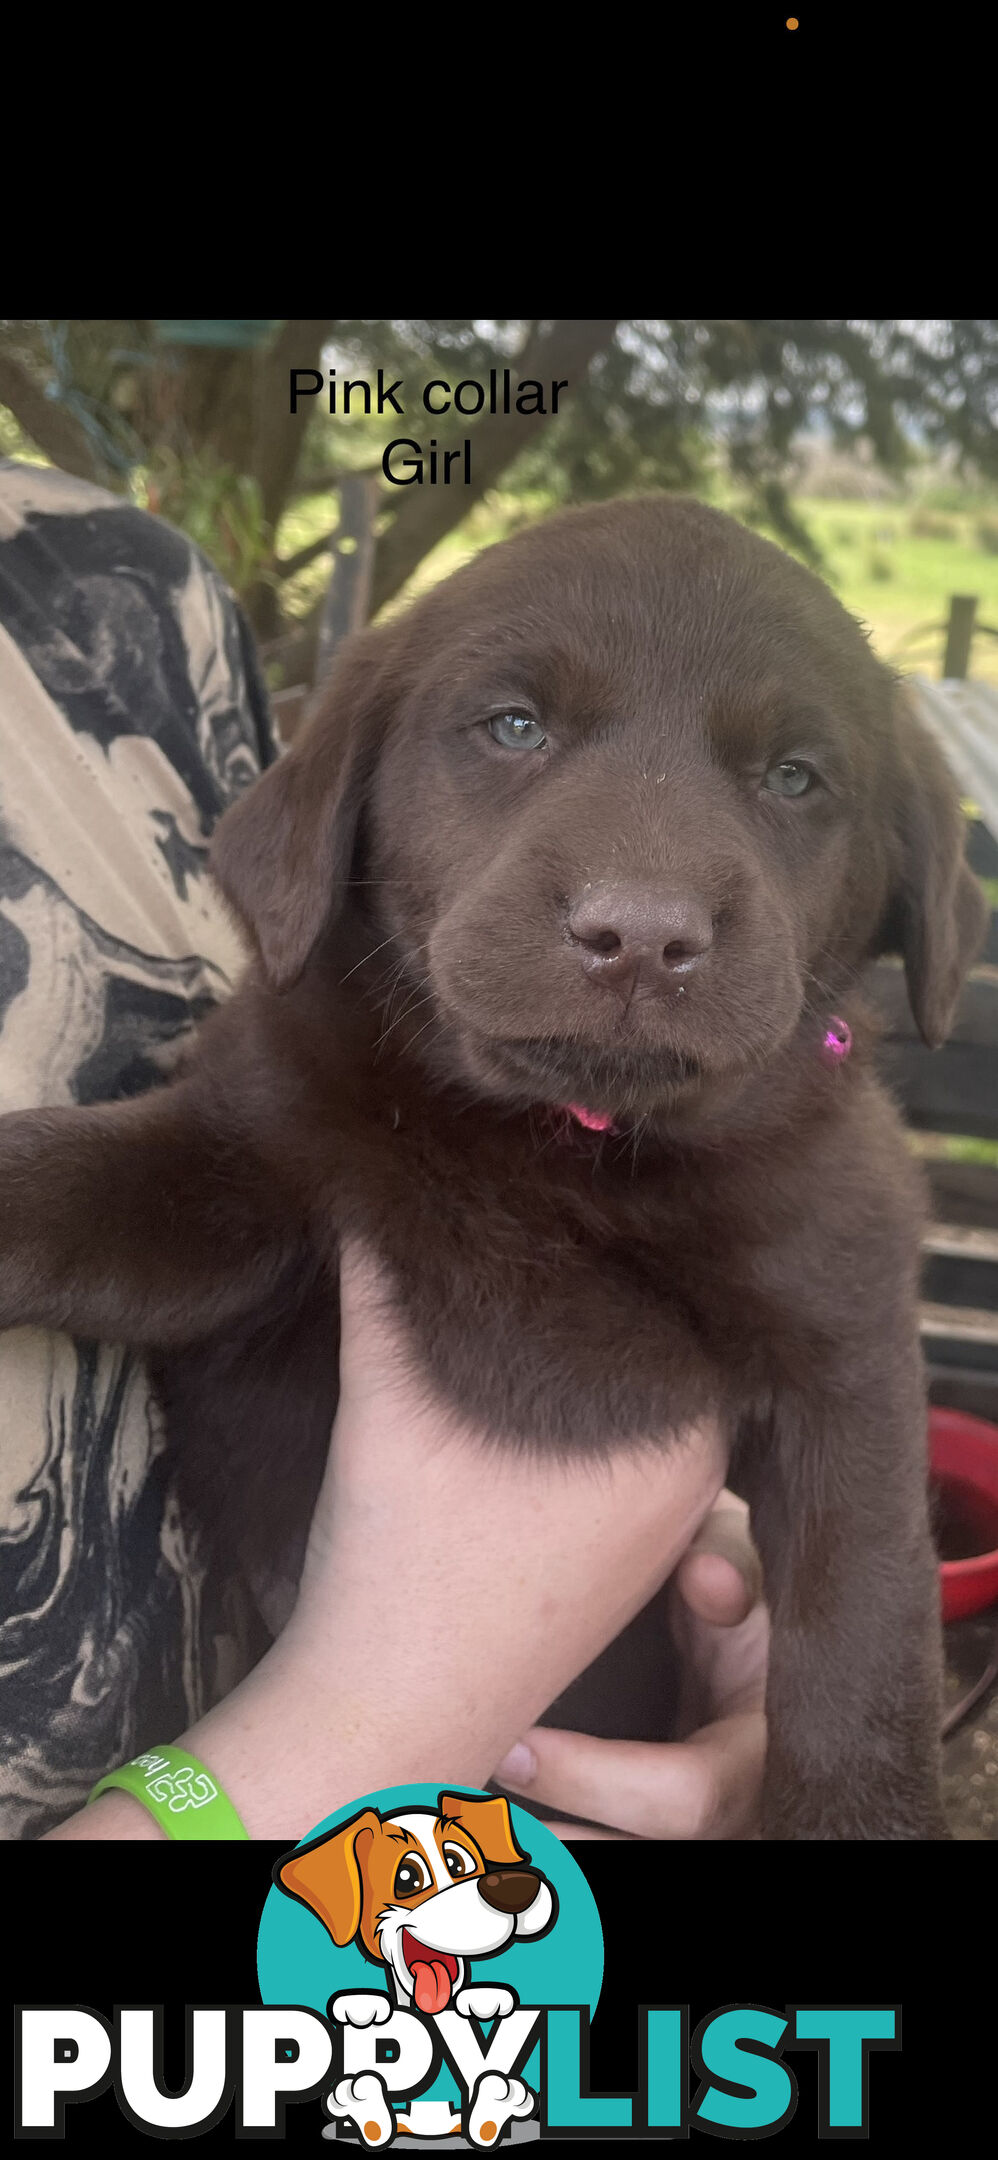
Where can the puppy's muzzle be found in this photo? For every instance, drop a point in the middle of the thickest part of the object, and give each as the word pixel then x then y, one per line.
pixel 511 1891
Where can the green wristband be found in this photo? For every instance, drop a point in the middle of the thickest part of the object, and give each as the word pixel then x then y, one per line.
pixel 179 1791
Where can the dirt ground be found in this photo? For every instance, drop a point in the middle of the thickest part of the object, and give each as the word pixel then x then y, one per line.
pixel 970 1755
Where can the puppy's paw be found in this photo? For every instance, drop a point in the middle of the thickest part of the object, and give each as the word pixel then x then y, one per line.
pixel 485 2003
pixel 368 2009
pixel 497 2100
pixel 361 2101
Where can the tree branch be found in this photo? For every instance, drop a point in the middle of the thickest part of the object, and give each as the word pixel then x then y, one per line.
pixel 289 565
pixel 279 433
pixel 563 354
pixel 48 424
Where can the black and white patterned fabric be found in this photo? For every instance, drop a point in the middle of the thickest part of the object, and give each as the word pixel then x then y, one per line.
pixel 132 710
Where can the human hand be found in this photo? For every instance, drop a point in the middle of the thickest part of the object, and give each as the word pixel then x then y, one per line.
pixel 453 1587
pixel 708 1783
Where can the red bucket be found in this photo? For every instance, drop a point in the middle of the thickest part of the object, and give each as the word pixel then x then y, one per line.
pixel 963 1472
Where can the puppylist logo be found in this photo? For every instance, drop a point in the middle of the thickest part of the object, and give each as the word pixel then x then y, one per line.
pixel 429 1962
pixel 431 1894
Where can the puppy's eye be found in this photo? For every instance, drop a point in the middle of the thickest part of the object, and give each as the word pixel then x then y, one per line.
pixel 459 1862
pixel 410 1876
pixel 789 778
pixel 516 731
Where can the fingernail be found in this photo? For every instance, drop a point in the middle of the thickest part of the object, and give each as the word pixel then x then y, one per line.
pixel 518 1767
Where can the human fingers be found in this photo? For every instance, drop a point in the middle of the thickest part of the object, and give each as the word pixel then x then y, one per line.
pixel 706 1787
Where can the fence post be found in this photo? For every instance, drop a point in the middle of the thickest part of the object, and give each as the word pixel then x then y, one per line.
pixel 959 635
pixel 347 602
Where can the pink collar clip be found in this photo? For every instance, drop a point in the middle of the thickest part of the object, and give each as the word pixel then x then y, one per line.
pixel 836 1041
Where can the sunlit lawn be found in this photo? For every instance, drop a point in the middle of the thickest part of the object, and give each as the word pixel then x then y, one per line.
pixel 886 570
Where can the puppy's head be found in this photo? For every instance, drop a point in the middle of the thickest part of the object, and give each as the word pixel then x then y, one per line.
pixel 423 1891
pixel 629 799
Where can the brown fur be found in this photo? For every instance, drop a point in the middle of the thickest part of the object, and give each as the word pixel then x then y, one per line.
pixel 745 1244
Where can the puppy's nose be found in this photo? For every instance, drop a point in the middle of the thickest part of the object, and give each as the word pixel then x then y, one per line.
pixel 635 936
pixel 512 1891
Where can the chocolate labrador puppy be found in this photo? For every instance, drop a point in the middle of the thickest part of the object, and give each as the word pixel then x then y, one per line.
pixel 559 906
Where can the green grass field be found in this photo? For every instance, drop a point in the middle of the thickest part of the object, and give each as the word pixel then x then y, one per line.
pixel 896 576
pixel 895 565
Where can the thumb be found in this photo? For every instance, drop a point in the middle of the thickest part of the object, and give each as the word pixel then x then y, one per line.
pixel 719 1620
pixel 719 1577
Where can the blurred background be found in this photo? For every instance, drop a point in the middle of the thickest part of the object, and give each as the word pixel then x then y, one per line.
pixel 867 448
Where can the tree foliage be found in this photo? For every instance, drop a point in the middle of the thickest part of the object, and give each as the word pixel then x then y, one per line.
pixel 202 432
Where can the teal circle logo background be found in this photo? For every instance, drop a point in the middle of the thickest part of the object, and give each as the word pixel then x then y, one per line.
pixel 298 1962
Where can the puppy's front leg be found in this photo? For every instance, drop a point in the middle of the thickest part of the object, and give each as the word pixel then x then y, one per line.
pixel 838 1490
pixel 138 1222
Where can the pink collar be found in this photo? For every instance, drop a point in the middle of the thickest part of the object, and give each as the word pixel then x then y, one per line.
pixel 835 1047
pixel 836 1042
pixel 593 1120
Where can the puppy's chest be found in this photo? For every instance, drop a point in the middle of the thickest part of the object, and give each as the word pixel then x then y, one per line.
pixel 581 1297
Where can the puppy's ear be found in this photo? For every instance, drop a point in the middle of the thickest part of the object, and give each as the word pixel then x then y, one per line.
pixel 489 1822
pixel 327 1876
pixel 938 913
pixel 282 853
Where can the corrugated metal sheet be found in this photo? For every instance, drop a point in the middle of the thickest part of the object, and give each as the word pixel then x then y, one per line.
pixel 963 717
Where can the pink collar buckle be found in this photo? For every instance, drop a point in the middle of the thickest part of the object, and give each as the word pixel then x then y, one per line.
pixel 836 1041
pixel 593 1120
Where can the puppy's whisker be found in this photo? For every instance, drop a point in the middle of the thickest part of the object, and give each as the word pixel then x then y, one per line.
pixel 554 1134
pixel 406 1012
pixel 391 987
pixel 365 957
pixel 421 1031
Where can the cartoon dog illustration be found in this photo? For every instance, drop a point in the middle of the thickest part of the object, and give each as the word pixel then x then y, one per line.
pixel 423 1891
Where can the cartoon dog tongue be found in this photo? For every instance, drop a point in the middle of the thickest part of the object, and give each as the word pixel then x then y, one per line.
pixel 431 1984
